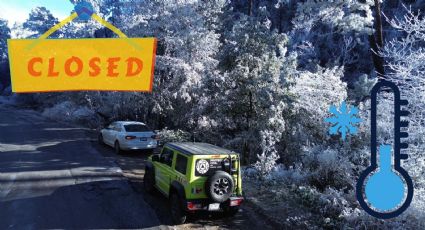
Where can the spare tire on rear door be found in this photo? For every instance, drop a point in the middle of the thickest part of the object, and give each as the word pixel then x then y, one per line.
pixel 219 186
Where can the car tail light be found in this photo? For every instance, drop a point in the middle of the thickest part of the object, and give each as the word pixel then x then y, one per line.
pixel 130 137
pixel 156 137
pixel 236 201
pixel 193 206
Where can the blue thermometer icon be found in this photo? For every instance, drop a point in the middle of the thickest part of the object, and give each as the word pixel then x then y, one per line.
pixel 385 190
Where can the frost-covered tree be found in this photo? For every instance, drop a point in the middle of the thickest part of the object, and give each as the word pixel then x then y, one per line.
pixel 185 56
pixel 342 15
pixel 334 33
pixel 40 21
pixel 314 92
pixel 4 63
pixel 267 159
pixel 405 57
pixel 280 12
pixel 252 93
pixel 4 35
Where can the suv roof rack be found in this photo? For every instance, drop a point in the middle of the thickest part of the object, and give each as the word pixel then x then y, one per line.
pixel 199 148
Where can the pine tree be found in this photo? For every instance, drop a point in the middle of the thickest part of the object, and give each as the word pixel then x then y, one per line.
pixel 40 21
pixel 253 90
pixel 4 35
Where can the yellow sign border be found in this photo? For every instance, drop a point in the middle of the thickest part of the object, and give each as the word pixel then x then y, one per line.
pixel 104 23
pixel 151 78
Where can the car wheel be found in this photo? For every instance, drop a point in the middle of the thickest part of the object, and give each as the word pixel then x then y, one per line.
pixel 230 211
pixel 177 213
pixel 149 181
pixel 100 139
pixel 117 148
pixel 219 186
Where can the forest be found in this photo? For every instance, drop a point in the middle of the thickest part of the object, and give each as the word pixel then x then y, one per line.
pixel 259 77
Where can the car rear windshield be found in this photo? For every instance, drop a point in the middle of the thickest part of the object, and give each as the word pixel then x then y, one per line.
pixel 136 128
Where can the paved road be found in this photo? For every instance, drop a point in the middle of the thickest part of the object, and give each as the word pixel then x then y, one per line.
pixel 52 177
pixel 56 176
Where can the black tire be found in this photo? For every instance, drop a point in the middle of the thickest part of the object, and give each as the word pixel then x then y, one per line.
pixel 230 211
pixel 219 186
pixel 100 139
pixel 117 148
pixel 149 181
pixel 178 214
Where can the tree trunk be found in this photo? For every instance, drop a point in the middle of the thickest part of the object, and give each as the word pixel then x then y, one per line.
pixel 376 42
pixel 246 151
pixel 280 19
pixel 250 6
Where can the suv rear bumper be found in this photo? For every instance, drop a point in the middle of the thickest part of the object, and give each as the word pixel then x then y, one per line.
pixel 204 204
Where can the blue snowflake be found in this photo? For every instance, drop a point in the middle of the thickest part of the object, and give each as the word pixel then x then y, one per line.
pixel 344 120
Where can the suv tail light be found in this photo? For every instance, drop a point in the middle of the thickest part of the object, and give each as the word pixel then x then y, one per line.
pixel 192 206
pixel 196 190
pixel 130 137
pixel 236 201
pixel 156 137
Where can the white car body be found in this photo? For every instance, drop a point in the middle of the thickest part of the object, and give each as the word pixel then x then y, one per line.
pixel 129 135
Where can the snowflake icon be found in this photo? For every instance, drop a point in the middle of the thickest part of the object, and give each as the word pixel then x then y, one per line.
pixel 344 119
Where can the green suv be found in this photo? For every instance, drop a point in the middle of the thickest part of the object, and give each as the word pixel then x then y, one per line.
pixel 195 177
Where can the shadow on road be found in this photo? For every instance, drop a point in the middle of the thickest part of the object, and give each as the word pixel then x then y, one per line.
pixel 61 154
pixel 93 205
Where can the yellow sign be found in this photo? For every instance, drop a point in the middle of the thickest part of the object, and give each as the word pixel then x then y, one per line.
pixel 122 64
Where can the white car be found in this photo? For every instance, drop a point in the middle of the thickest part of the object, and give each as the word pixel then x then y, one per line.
pixel 128 135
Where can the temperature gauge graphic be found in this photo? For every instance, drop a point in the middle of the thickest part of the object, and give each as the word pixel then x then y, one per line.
pixel 385 189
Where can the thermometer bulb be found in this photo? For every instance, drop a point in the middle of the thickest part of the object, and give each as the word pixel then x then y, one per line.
pixel 385 189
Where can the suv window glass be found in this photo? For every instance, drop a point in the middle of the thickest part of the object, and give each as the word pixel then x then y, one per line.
pixel 167 156
pixel 181 164
pixel 136 128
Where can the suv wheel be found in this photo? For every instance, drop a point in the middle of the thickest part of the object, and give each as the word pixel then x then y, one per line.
pixel 219 186
pixel 149 181
pixel 177 213
pixel 117 148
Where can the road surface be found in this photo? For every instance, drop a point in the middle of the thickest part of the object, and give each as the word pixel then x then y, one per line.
pixel 53 175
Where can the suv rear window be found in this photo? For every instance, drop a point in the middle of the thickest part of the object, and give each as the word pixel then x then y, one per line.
pixel 136 128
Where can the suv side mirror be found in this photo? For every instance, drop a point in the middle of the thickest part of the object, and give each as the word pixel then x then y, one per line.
pixel 155 157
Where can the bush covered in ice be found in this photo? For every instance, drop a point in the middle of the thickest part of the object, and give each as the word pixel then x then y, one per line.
pixel 167 135
pixel 68 111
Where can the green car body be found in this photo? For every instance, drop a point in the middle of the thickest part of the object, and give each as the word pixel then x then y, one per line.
pixel 196 176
